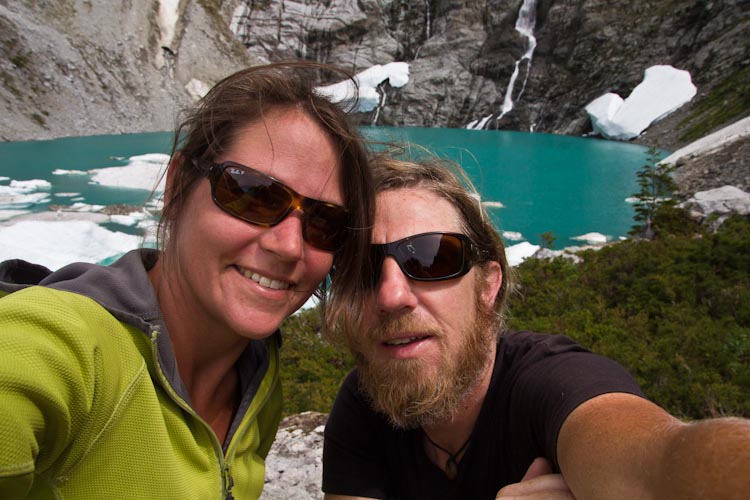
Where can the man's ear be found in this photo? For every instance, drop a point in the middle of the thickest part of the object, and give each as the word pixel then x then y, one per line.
pixel 493 280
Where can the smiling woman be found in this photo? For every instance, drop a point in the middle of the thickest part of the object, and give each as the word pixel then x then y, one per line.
pixel 165 364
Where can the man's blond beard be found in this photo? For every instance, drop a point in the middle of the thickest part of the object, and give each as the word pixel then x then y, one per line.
pixel 410 398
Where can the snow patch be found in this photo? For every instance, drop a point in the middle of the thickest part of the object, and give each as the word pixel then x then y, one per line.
pixel 663 90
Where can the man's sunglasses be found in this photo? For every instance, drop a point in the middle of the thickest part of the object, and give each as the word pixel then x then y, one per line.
pixel 428 256
pixel 260 199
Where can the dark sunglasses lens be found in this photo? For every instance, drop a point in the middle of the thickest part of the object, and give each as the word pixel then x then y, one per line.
pixel 325 226
pixel 251 196
pixel 431 256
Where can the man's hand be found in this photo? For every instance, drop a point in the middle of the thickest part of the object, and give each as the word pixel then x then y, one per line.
pixel 539 483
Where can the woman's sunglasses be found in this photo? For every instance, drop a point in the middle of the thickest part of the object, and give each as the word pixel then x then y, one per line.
pixel 428 256
pixel 260 199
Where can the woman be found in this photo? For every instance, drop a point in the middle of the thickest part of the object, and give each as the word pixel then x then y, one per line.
pixel 157 377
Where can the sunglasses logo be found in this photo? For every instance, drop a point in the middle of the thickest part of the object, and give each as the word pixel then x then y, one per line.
pixel 235 171
pixel 411 249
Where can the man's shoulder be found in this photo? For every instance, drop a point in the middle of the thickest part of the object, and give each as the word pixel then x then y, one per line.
pixel 521 341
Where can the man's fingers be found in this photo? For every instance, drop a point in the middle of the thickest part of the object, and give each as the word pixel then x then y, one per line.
pixel 539 483
pixel 539 467
pixel 547 487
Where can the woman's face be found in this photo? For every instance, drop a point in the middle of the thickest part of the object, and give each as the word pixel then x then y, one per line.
pixel 241 278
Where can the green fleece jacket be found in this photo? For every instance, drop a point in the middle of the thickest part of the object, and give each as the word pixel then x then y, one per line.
pixel 91 402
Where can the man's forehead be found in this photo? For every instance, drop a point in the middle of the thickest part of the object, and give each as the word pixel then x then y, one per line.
pixel 407 211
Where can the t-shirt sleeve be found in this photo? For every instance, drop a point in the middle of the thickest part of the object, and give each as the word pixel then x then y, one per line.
pixel 354 458
pixel 556 376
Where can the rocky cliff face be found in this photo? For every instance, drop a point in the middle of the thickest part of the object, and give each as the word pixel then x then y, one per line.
pixel 77 67
pixel 462 56
pixel 81 67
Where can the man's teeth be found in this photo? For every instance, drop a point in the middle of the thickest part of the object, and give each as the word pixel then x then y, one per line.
pixel 405 340
pixel 266 282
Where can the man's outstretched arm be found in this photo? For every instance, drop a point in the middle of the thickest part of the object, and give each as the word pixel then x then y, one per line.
pixel 620 446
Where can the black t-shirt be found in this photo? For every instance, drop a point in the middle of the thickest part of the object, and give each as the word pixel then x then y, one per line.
pixel 537 381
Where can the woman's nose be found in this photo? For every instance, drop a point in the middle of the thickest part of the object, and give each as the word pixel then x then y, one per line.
pixel 285 238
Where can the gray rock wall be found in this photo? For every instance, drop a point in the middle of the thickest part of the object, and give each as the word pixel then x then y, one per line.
pixel 79 67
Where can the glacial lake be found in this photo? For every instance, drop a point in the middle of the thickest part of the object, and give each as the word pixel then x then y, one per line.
pixel 531 183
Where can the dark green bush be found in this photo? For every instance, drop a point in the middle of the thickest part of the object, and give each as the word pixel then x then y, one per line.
pixel 675 311
pixel 311 370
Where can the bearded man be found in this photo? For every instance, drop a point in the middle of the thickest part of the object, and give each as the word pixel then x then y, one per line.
pixel 444 405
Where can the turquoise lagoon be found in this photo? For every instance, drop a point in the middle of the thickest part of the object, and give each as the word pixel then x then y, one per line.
pixel 531 182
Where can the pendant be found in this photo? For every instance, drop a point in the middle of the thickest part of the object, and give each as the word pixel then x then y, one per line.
pixel 451 469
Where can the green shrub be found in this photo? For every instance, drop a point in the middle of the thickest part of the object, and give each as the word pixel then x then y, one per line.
pixel 311 370
pixel 675 311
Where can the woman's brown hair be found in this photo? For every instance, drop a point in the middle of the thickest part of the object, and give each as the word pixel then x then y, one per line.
pixel 244 97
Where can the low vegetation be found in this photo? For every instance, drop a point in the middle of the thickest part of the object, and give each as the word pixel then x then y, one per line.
pixel 674 310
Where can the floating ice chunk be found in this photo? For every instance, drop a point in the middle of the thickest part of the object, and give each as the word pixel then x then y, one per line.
pixel 84 207
pixel 591 238
pixel 512 235
pixel 23 194
pixel 60 171
pixel 520 252
pixel 54 244
pixel 142 172
pixel 28 186
pixel 663 90
pixel 12 200
pixel 493 204
pixel 130 219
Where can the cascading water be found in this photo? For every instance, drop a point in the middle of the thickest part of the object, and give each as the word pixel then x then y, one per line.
pixel 525 24
pixel 427 17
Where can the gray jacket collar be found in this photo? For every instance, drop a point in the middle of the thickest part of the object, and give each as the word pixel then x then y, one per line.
pixel 122 288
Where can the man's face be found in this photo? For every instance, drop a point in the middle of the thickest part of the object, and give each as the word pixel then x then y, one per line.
pixel 424 346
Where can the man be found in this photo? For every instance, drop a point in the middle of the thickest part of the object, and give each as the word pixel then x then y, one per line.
pixel 442 405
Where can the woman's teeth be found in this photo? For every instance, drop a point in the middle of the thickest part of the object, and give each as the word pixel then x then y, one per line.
pixel 266 282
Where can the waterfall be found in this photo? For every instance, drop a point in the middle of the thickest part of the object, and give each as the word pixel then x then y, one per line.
pixel 525 26
pixel 427 18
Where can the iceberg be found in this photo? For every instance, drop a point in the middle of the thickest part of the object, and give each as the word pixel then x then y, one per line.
pixel 368 98
pixel 520 252
pixel 663 90
pixel 54 244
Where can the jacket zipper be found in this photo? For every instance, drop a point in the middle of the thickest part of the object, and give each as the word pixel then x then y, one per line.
pixel 227 480
pixel 223 466
pixel 249 417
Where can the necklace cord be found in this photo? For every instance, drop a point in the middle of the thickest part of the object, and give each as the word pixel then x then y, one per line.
pixel 451 465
